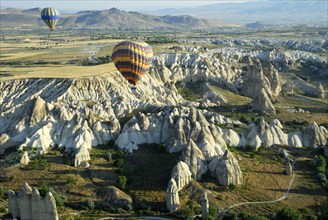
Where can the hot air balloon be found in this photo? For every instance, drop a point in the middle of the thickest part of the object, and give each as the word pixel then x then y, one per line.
pixel 132 59
pixel 50 16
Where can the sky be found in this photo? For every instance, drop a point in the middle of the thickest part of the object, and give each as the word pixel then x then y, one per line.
pixel 128 5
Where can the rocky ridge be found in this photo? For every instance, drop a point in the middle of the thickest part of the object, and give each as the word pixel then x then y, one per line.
pixel 28 204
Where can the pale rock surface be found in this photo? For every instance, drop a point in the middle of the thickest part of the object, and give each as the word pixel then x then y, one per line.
pixel 205 205
pixel 194 158
pixel 45 113
pixel 172 196
pixel 28 204
pixel 4 138
pixel 262 103
pixel 295 139
pixel 173 126
pixel 326 149
pixel 287 88
pixel 256 81
pixel 268 135
pixel 114 196
pixel 24 159
pixel 320 92
pixel 226 170
pixel 181 174
pixel 314 136
pixel 289 168
pixel 82 155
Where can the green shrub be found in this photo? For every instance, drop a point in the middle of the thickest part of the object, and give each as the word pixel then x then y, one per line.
pixel 122 182
pixel 119 162
pixel 44 188
pixel 212 211
pixel 320 169
pixel 90 204
pixel 321 161
pixel 232 186
pixel 3 209
pixel 288 214
pixel 2 192
pixel 36 164
pixel 60 200
pixel 244 215
pixel 71 180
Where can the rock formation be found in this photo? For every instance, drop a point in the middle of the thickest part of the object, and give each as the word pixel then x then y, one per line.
pixel 226 170
pixel 262 103
pixel 287 88
pixel 114 196
pixel 194 158
pixel 44 113
pixel 28 204
pixel 181 174
pixel 256 81
pixel 172 196
pixel 326 149
pixel 205 205
pixel 320 92
pixel 24 159
pixel 314 136
pixel 289 168
pixel 82 155
pixel 173 126
pixel 267 135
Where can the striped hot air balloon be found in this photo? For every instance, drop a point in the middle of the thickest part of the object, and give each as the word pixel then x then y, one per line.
pixel 50 16
pixel 132 59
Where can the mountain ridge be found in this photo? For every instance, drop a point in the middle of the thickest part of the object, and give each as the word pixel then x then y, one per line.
pixel 109 18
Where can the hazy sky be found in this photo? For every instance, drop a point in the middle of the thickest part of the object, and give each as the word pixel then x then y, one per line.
pixel 78 5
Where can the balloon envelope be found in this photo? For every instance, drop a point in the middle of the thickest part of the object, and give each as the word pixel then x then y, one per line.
pixel 132 59
pixel 50 16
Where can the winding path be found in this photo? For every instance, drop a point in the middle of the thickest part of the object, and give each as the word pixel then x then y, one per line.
pixel 264 202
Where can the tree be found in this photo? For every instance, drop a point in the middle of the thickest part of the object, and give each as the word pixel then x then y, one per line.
pixel 288 214
pixel 122 182
pixel 90 204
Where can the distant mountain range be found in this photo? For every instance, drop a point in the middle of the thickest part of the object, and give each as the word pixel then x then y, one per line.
pixel 111 18
pixel 275 12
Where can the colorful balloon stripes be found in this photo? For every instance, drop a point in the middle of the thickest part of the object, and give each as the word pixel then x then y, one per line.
pixel 132 59
pixel 50 16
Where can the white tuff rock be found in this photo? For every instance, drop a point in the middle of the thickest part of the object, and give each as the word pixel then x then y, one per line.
pixel 172 196
pixel 226 170
pixel 181 174
pixel 24 159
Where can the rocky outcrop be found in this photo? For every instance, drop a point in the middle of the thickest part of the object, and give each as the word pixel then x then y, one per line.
pixel 82 156
pixel 181 174
pixel 172 196
pixel 44 113
pixel 28 204
pixel 326 149
pixel 287 88
pixel 194 158
pixel 24 159
pixel 4 138
pixel 205 205
pixel 256 81
pixel 173 126
pixel 289 168
pixel 314 136
pixel 320 92
pixel 114 196
pixel 266 134
pixel 295 139
pixel 226 170
pixel 262 103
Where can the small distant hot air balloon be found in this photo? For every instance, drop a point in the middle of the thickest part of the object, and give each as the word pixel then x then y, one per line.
pixel 50 16
pixel 132 59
